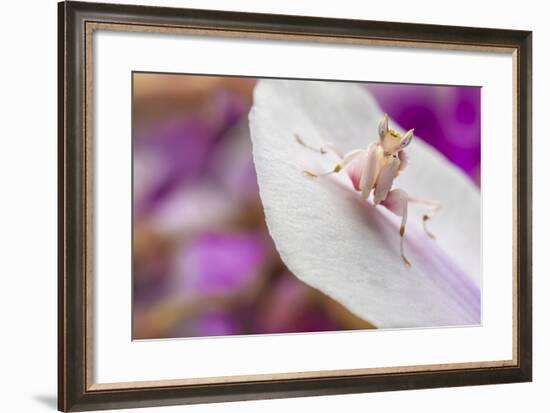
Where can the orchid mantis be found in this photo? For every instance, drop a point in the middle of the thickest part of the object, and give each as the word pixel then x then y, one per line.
pixel 374 169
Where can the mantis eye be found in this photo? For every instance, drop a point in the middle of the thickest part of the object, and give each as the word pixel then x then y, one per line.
pixel 383 127
pixel 407 138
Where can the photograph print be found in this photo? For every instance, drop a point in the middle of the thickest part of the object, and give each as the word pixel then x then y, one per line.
pixel 277 206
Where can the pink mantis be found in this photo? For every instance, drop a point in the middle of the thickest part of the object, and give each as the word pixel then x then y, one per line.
pixel 374 170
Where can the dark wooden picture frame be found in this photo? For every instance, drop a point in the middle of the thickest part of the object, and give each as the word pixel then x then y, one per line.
pixel 76 391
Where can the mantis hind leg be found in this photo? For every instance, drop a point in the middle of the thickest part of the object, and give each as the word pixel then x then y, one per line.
pixel 397 201
pixel 433 209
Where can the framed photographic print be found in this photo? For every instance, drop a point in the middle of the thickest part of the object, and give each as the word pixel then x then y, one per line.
pixel 264 206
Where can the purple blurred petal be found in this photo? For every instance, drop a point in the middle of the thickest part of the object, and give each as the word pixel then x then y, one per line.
pixel 221 263
pixel 195 207
pixel 210 323
pixel 216 324
pixel 232 166
pixel 289 308
pixel 178 150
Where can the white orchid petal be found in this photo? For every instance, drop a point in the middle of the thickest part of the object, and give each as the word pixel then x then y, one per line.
pixel 333 240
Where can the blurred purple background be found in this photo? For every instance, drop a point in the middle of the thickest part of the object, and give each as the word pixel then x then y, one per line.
pixel 204 264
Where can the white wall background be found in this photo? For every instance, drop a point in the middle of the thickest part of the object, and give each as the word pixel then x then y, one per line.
pixel 28 85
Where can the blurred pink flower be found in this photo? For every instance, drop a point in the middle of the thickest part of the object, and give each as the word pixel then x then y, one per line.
pixel 221 263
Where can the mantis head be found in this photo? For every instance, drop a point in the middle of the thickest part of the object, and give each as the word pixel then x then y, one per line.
pixel 391 141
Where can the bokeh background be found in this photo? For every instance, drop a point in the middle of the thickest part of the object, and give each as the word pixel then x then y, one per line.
pixel 204 263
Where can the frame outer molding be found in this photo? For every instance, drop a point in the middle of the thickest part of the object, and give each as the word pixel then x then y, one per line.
pixel 71 209
pixel 74 394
